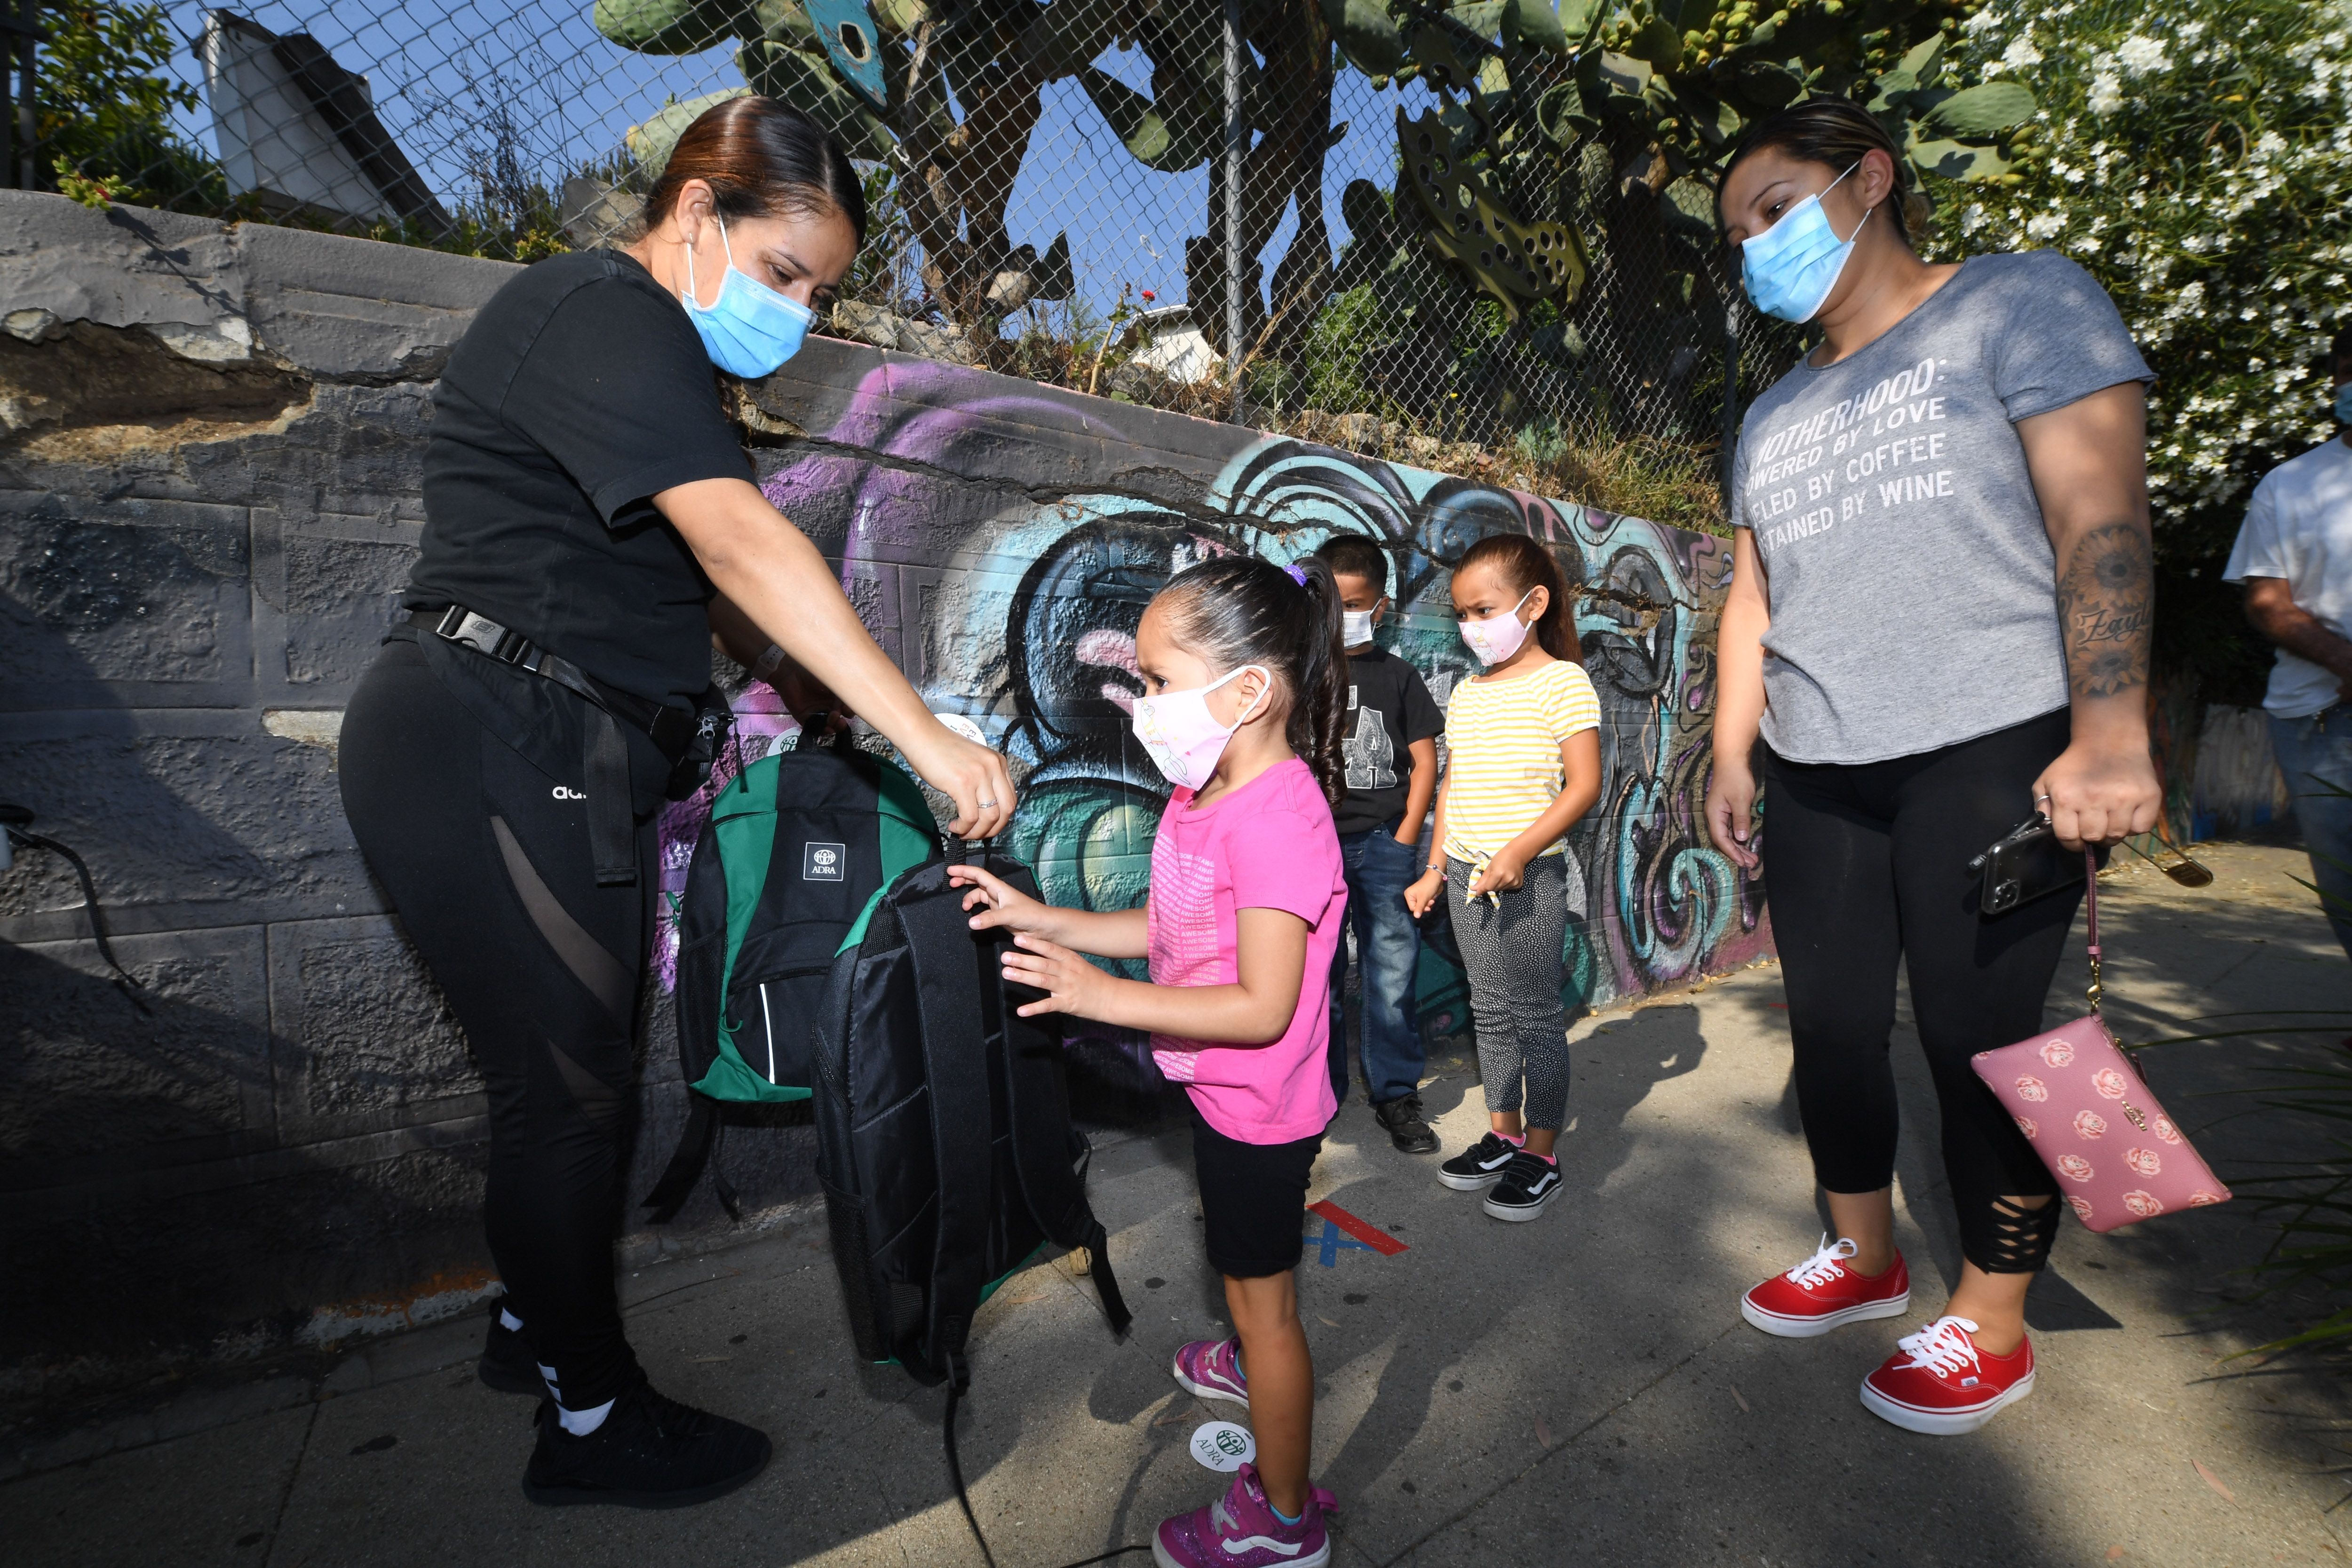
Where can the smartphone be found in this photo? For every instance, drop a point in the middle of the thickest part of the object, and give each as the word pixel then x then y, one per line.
pixel 2025 865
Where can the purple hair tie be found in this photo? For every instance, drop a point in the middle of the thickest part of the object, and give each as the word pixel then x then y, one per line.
pixel 1298 574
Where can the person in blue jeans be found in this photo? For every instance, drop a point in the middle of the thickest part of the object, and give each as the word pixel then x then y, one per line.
pixel 2294 556
pixel 1391 755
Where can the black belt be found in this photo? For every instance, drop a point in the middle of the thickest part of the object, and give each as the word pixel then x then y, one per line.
pixel 604 766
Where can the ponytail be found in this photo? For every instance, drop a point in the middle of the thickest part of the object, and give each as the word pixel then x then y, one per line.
pixel 1525 565
pixel 1236 610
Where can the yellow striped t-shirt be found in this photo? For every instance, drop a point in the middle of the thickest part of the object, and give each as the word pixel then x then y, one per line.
pixel 1502 743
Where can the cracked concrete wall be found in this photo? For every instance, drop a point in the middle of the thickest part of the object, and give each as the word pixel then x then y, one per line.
pixel 210 449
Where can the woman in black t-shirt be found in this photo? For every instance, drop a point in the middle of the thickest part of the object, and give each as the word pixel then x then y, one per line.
pixel 591 525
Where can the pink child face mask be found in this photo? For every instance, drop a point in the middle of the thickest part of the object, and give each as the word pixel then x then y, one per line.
pixel 1498 638
pixel 1182 736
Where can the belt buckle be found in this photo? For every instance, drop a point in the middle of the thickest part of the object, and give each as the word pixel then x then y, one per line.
pixel 476 632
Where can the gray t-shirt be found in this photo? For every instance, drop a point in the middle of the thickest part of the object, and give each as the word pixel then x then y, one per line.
pixel 1909 574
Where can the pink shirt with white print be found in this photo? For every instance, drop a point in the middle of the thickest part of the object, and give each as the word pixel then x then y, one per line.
pixel 1268 845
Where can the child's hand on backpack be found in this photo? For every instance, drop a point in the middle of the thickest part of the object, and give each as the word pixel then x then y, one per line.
pixel 1071 984
pixel 1002 906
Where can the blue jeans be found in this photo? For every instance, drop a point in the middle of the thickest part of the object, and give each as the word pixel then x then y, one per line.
pixel 1388 950
pixel 2321 746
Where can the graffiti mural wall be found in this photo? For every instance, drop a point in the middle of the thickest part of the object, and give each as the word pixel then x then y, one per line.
pixel 1003 539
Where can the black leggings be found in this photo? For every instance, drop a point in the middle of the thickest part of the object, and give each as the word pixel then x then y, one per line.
pixel 486 860
pixel 1866 866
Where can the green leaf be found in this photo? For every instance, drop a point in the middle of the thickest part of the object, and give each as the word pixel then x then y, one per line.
pixel 1561 113
pixel 1368 34
pixel 1690 208
pixel 1579 17
pixel 1916 70
pixel 1765 87
pixel 1621 73
pixel 1958 160
pixel 804 79
pixel 1484 17
pixel 1539 27
pixel 1069 34
pixel 664 27
pixel 1139 125
pixel 651 143
pixel 1658 43
pixel 1980 110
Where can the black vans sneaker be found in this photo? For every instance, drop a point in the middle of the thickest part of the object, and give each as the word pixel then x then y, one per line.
pixel 1530 1183
pixel 1479 1166
pixel 509 1364
pixel 651 1452
pixel 1406 1129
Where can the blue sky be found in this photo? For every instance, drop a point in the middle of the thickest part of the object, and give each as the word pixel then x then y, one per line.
pixel 574 94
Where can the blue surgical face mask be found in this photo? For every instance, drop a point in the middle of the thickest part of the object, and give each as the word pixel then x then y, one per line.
pixel 1791 267
pixel 2344 404
pixel 749 330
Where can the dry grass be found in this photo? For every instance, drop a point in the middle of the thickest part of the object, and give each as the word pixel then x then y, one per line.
pixel 1641 477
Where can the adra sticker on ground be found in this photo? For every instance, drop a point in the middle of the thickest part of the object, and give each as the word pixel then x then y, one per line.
pixel 1222 1446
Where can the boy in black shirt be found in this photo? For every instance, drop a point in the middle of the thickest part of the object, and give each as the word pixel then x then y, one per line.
pixel 1392 777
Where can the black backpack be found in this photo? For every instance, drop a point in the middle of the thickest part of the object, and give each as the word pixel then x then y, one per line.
pixel 798 846
pixel 944 1142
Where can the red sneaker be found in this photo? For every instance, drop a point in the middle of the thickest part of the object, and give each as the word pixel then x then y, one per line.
pixel 1822 1292
pixel 1940 1382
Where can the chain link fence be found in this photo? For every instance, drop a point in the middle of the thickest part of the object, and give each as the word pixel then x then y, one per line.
pixel 1191 203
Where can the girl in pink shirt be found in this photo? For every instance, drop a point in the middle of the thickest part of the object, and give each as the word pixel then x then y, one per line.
pixel 1244 690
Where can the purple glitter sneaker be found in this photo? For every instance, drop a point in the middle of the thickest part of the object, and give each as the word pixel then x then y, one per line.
pixel 1240 1531
pixel 1212 1369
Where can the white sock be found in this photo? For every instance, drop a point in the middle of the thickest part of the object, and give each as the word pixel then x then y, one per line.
pixel 509 1321
pixel 580 1423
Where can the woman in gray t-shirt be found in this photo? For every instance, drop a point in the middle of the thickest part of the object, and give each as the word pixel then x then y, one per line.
pixel 1938 623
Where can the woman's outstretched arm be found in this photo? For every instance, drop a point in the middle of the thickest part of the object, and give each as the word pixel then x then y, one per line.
pixel 769 571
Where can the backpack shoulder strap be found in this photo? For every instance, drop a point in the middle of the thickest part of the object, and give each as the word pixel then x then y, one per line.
pixel 1037 1099
pixel 945 962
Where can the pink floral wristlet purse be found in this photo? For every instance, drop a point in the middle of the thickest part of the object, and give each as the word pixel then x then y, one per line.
pixel 2080 1097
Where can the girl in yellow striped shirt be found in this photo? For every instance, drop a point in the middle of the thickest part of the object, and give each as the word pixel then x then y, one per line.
pixel 1523 748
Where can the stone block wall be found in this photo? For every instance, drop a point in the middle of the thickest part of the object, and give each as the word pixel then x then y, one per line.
pixel 210 450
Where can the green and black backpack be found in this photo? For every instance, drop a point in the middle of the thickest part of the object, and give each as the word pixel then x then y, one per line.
pixel 798 847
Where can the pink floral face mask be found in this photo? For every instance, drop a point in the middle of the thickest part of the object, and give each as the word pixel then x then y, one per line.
pixel 1498 638
pixel 1182 736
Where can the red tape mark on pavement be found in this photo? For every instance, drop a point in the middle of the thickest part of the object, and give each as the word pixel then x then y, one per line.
pixel 1372 1236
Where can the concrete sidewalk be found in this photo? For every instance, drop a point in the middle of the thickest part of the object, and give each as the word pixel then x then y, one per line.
pixel 1580 1389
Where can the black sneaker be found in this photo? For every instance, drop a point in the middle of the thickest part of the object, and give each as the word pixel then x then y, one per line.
pixel 1407 1130
pixel 1479 1166
pixel 1530 1184
pixel 509 1364
pixel 651 1452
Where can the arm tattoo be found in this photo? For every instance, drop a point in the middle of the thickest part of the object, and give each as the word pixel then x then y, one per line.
pixel 2106 606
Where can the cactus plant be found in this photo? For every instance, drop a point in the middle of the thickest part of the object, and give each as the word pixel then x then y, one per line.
pixel 1611 117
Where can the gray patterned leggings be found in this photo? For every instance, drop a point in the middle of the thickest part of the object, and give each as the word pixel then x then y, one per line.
pixel 1512 956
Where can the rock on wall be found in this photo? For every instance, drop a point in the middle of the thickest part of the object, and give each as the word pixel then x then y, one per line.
pixel 210 446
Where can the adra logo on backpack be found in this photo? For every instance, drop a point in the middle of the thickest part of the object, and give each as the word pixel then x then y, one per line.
pixel 823 862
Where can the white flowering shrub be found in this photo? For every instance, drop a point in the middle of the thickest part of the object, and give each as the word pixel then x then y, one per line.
pixel 2198 160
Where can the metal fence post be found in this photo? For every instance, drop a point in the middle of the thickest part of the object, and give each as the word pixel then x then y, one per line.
pixel 1235 136
pixel 1730 435
pixel 20 33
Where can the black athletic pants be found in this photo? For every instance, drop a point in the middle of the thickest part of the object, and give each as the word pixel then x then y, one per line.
pixel 486 858
pixel 1866 867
